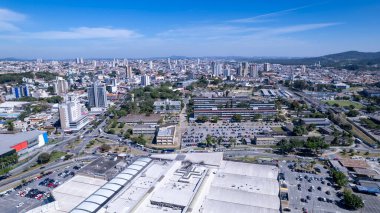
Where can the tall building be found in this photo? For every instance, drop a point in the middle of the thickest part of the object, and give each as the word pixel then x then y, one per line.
pixel 267 67
pixel 145 80
pixel 60 86
pixel 243 69
pixel 129 72
pixel 97 95
pixel 70 114
pixel 253 73
pixel 20 91
pixel 214 69
pixel 226 72
pixel 170 65
pixel 303 69
pixel 151 65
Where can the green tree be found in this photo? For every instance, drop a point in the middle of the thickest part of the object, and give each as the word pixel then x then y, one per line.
pixel 43 158
pixel 10 126
pixel 202 119
pixel 339 178
pixel 352 201
pixel 236 118
pixel 104 148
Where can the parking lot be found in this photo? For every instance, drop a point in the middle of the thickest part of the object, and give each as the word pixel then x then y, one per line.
pixel 310 192
pixel 35 192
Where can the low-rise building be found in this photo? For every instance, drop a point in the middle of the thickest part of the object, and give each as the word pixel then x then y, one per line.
pixel 134 119
pixel 318 122
pixel 265 140
pixel 144 129
pixel 167 106
pixel 166 135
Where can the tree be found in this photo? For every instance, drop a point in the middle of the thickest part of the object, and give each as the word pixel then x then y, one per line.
pixel 352 113
pixel 352 201
pixel 236 118
pixel 256 117
pixel 299 130
pixel 210 140
pixel 214 119
pixel 201 119
pixel 104 148
pixel 339 178
pixel 10 126
pixel 43 158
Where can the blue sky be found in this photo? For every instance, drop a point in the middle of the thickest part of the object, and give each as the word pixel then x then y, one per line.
pixel 92 28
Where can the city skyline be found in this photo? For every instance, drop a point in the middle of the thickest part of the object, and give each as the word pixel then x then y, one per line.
pixel 97 29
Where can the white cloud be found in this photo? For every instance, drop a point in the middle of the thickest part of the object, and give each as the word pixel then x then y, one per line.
pixel 86 33
pixel 8 18
pixel 210 31
pixel 264 17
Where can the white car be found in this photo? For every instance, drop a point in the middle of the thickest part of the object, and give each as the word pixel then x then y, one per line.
pixel 20 204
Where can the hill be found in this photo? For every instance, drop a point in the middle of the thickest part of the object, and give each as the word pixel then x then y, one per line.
pixel 351 60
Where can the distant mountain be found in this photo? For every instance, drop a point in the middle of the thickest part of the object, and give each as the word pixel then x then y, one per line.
pixel 351 60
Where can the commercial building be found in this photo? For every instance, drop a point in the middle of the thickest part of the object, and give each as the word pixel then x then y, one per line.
pixel 167 106
pixel 97 96
pixel 174 183
pixel 71 116
pixel 22 142
pixel 166 135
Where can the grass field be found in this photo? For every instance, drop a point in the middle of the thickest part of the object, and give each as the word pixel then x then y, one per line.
pixel 345 103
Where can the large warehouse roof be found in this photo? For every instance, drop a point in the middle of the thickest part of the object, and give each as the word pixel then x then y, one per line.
pixel 243 187
pixel 94 202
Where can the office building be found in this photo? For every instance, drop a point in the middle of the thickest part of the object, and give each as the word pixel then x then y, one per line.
pixel 145 80
pixel 71 116
pixel 97 96
pixel 60 86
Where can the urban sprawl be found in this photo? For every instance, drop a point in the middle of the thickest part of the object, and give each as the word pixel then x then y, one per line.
pixel 187 135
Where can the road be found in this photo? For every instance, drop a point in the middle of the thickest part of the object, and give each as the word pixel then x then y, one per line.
pixel 5 184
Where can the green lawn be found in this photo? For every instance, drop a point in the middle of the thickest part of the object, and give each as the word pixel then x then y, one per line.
pixel 344 103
